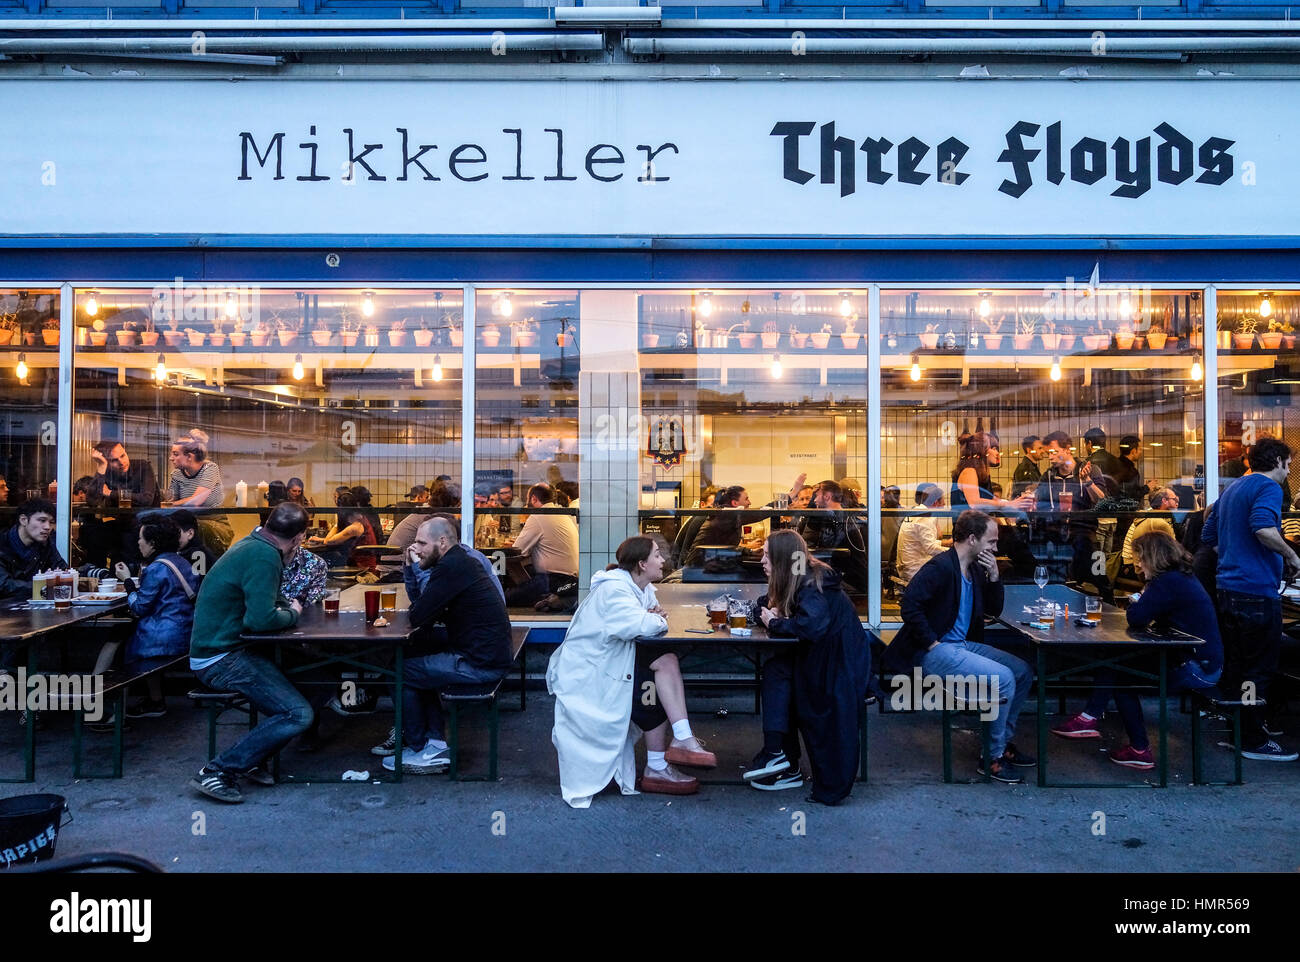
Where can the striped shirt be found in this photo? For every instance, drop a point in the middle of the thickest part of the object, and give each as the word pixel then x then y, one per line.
pixel 182 486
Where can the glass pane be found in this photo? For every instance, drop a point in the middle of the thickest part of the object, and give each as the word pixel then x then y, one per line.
pixel 29 336
pixel 354 395
pixel 759 396
pixel 1059 411
pixel 526 458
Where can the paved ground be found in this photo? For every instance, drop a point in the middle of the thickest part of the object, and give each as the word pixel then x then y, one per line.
pixel 905 820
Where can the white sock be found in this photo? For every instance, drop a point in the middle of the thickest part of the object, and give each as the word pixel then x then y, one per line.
pixel 682 730
pixel 436 744
pixel 655 761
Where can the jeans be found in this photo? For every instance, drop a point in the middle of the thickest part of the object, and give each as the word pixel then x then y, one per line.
pixel 1252 643
pixel 536 588
pixel 284 711
pixel 779 716
pixel 1186 677
pixel 421 679
pixel 1014 677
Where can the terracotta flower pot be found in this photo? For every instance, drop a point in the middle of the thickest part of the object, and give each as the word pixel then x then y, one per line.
pixel 457 337
pixel 216 340
pixel 396 338
pixel 148 338
pixel 1124 340
pixel 423 338
pixel 237 340
pixel 286 337
pixel 173 338
pixel 6 334
pixel 126 338
pixel 820 339
pixel 1022 342
pixel 258 338
pixel 564 340
pixel 929 340
pixel 1157 339
pixel 370 338
pixel 747 339
pixel 99 338
pixel 1288 341
pixel 1270 340
pixel 1049 341
pixel 50 337
pixel 770 339
pixel 29 338
pixel 348 338
pixel 850 340
pixel 321 338
pixel 799 340
pixel 196 339
pixel 1065 342
pixel 649 340
pixel 993 341
pixel 493 338
pixel 1243 342
pixel 529 338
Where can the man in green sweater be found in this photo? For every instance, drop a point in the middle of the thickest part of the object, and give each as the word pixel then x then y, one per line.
pixel 241 593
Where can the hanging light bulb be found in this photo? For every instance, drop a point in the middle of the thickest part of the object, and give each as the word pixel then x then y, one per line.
pixel 916 368
pixel 776 366
pixel 504 306
pixel 368 304
pixel 160 370
pixel 232 305
pixel 846 305
pixel 1055 373
pixel 92 303
pixel 21 369
pixel 706 304
pixel 297 367
pixel 1197 372
pixel 1126 305
pixel 986 306
pixel 1265 305
pixel 437 368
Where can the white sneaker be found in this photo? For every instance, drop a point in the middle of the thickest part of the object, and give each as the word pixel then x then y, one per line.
pixel 421 761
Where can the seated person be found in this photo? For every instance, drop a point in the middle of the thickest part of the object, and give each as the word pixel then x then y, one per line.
pixel 350 530
pixel 28 547
pixel 818 688
pixel 192 548
pixel 723 528
pixel 163 601
pixel 1173 598
pixel 601 678
pixel 833 530
pixel 943 612
pixel 1161 499
pixel 918 536
pixel 550 541
pixel 461 595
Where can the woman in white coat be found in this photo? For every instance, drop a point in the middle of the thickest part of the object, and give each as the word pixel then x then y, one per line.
pixel 603 700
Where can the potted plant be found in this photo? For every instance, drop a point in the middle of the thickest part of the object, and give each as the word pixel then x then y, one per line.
pixel 1288 334
pixel 822 339
pixel 286 331
pixel 1096 339
pixel 218 336
pixel 50 331
pixel 850 337
pixel 1049 337
pixel 1023 339
pixel 397 333
pixel 1065 338
pixel 771 335
pixel 423 335
pixel 127 335
pixel 196 338
pixel 1243 338
pixel 348 331
pixel 8 326
pixel 148 336
pixel 930 336
pixel 237 334
pixel 491 335
pixel 1271 339
pixel 98 333
pixel 746 337
pixel 566 336
pixel 1125 337
pixel 321 335
pixel 993 333
pixel 370 335
pixel 456 332
pixel 797 337
pixel 1156 338
pixel 649 338
pixel 525 332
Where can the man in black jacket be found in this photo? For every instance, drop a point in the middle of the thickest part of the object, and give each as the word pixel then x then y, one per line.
pixel 943 631
pixel 28 547
pixel 460 595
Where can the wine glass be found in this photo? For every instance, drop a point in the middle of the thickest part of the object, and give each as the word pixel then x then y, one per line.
pixel 1040 579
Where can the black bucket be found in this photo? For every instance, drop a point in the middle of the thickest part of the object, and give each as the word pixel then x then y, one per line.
pixel 29 827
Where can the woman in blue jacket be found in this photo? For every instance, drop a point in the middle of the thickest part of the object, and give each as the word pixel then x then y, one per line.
pixel 164 604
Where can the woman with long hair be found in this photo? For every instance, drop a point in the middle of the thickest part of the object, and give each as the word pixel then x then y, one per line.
pixel 829 670
pixel 972 480
pixel 1173 598
pixel 195 482
pixel 608 688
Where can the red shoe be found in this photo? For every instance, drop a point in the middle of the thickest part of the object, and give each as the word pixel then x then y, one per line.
pixel 1130 756
pixel 1077 727
pixel 667 782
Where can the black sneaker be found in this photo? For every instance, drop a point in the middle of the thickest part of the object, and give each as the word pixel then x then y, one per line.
pixel 1000 772
pixel 790 778
pixel 766 763
pixel 217 784
pixel 259 776
pixel 147 708
pixel 1013 756
pixel 1270 751
pixel 388 747
pixel 366 703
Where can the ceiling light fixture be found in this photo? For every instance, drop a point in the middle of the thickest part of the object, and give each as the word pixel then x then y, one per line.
pixel 776 366
pixel 437 367
pixel 21 369
pixel 916 368
pixel 986 306
pixel 1055 373
pixel 846 304
pixel 1265 305
pixel 160 370
pixel 297 367
pixel 368 304
pixel 92 303
pixel 706 304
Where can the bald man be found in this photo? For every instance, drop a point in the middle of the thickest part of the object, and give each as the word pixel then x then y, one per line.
pixel 475 649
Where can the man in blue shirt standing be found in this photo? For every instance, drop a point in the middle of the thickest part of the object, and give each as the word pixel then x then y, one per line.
pixel 1245 530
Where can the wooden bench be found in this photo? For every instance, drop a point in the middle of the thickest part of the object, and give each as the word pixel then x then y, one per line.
pixel 217 703
pixel 114 694
pixel 457 696
pixel 1230 709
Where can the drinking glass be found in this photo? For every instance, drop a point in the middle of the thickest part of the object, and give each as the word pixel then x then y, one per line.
pixel 717 613
pixel 1092 608
pixel 331 602
pixel 1040 579
pixel 372 605
pixel 388 599
pixel 62 595
pixel 738 614
pixel 124 498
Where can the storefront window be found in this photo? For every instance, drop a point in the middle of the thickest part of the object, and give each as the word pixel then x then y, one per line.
pixel 756 398
pixel 335 397
pixel 1060 411
pixel 526 479
pixel 29 336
